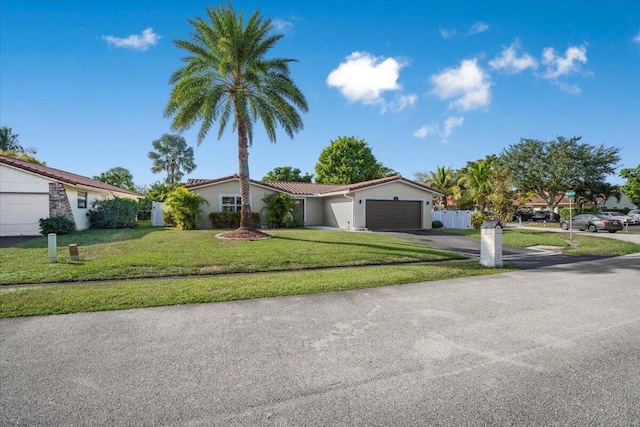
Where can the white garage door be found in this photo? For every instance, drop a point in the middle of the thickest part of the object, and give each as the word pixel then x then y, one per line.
pixel 20 213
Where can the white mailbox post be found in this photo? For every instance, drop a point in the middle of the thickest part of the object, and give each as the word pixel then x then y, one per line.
pixel 491 244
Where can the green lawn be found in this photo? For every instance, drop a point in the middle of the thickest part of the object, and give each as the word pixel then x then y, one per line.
pixel 161 252
pixel 581 243
pixel 79 297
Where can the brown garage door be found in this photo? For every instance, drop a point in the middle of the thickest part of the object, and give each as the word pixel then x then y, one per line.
pixel 394 215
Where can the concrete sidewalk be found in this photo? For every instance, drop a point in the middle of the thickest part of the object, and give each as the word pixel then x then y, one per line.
pixel 553 346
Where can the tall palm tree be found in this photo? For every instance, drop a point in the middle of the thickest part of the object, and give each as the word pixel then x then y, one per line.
pixel 173 156
pixel 226 77
pixel 443 180
pixel 476 178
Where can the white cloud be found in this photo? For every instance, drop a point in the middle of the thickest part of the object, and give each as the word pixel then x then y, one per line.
pixel 510 62
pixel 447 34
pixel 281 25
pixel 426 130
pixel 636 39
pixel 561 65
pixel 570 89
pixel 401 102
pixel 450 124
pixel 364 77
pixel 477 28
pixel 468 83
pixel 140 42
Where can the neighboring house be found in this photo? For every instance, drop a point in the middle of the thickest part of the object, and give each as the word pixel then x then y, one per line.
pixel 392 203
pixel 29 191
pixel 613 203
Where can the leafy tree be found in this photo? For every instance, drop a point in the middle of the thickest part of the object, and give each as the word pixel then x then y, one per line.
pixel 280 208
pixel 348 160
pixel 287 174
pixel 173 156
pixel 502 195
pixel 22 156
pixel 183 207
pixel 632 186
pixel 9 143
pixel 550 168
pixel 158 191
pixel 475 181
pixel 443 180
pixel 227 77
pixel 118 176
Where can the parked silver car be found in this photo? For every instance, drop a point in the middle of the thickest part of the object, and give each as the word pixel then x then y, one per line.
pixel 592 223
pixel 635 215
pixel 624 219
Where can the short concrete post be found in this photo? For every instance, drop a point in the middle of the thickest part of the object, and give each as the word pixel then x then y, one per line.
pixel 491 244
pixel 73 252
pixel 53 247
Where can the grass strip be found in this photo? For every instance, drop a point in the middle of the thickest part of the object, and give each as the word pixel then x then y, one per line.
pixel 74 298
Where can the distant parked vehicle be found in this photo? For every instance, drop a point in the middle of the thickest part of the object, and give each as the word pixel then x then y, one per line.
pixel 545 216
pixel 635 214
pixel 524 214
pixel 592 223
pixel 624 219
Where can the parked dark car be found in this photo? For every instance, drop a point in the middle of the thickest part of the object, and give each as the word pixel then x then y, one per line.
pixel 545 216
pixel 592 223
pixel 524 214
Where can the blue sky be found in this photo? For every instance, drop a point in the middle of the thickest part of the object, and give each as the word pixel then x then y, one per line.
pixel 424 83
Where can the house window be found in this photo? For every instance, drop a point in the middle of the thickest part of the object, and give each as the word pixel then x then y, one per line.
pixel 82 200
pixel 231 203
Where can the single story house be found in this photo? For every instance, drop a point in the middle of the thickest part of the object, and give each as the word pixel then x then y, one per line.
pixel 391 203
pixel 30 191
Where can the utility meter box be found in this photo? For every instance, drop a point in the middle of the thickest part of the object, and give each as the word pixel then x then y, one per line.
pixel 491 244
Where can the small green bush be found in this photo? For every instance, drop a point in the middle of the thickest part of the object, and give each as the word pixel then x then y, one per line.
pixel 183 208
pixel 478 218
pixel 564 212
pixel 437 224
pixel 57 224
pixel 113 213
pixel 231 219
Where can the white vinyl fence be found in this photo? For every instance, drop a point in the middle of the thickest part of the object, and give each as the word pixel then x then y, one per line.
pixel 453 219
pixel 156 214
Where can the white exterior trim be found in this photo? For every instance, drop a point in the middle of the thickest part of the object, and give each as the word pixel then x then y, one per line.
pixel 221 196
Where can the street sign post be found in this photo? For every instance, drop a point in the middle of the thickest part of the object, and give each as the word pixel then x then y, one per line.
pixel 570 195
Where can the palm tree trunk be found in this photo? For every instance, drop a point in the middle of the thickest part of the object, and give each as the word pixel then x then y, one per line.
pixel 246 224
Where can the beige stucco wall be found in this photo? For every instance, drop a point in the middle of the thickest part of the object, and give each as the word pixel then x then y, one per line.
pixel 337 212
pixel 17 181
pixel 24 199
pixel 400 190
pixel 213 194
pixel 313 208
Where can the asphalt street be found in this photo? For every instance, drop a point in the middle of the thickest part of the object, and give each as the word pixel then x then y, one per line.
pixel 556 345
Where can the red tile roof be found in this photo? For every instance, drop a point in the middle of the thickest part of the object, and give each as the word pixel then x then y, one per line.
pixel 62 176
pixel 310 189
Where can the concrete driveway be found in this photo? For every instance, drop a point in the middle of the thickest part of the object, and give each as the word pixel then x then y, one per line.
pixel 553 346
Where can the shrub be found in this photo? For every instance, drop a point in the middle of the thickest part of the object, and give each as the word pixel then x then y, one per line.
pixel 437 224
pixel 478 218
pixel 280 209
pixel 183 208
pixel 113 213
pixel 231 219
pixel 57 224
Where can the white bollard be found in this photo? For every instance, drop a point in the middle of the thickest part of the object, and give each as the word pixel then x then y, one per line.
pixel 53 247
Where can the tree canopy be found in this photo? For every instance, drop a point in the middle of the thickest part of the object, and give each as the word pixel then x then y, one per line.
pixel 550 168
pixel 173 156
pixel 348 160
pixel 632 186
pixel 118 176
pixel 9 143
pixel 287 174
pixel 226 78
pixel 443 180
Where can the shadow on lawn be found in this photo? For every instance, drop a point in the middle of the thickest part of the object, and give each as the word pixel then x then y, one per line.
pixel 419 249
pixel 93 237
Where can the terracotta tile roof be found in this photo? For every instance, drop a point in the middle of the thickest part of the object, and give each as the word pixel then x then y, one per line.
pixel 62 176
pixel 310 189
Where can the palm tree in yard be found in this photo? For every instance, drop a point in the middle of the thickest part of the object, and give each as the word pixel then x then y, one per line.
pixel 173 156
pixel 226 79
pixel 443 180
